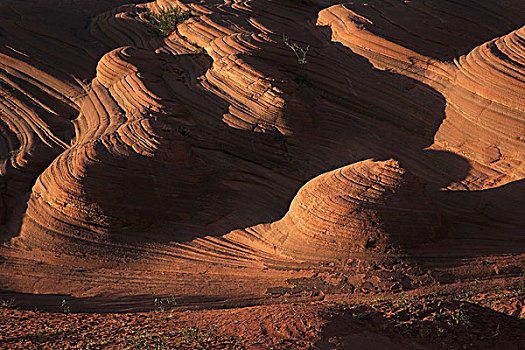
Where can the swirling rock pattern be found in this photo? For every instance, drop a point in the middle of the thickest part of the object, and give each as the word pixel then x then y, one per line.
pixel 483 88
pixel 364 209
pixel 486 104
pixel 125 153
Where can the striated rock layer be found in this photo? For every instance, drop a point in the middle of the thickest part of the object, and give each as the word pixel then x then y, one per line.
pixel 483 88
pixel 363 210
pixel 486 104
pixel 131 160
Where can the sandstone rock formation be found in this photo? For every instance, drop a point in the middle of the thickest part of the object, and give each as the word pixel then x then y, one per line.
pixel 211 152
pixel 362 210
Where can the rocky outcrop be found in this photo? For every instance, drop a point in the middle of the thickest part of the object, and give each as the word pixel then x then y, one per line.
pixel 364 210
pixel 116 142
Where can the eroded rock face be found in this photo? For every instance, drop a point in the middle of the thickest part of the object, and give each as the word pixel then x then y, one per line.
pixel 367 207
pixel 486 104
pixel 482 85
pixel 81 194
pixel 191 147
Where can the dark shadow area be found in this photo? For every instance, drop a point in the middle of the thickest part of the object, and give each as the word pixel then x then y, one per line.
pixel 104 304
pixel 441 29
pixel 416 324
pixel 488 221
pixel 49 37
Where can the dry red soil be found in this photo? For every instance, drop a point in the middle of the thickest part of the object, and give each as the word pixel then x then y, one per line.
pixel 211 189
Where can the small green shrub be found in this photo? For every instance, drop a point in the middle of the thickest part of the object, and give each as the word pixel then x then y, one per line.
pixel 140 340
pixel 144 340
pixel 14 153
pixel 158 304
pixel 8 303
pixel 171 300
pixel 191 335
pixel 199 50
pixel 167 19
pixel 65 307
pixel 299 51
pixel 403 300
pixel 157 301
pixel 183 131
pixel 459 317
pixel 521 283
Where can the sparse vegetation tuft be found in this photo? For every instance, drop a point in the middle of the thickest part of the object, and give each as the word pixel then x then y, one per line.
pixel 459 317
pixel 157 301
pixel 167 19
pixel 65 307
pixel 199 50
pixel 14 153
pixel 144 340
pixel 299 51
pixel 8 303
pixel 191 335
pixel 171 300
pixel 403 300
pixel 183 131
pixel 521 283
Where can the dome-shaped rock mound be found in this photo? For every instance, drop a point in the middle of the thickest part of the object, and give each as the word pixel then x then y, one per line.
pixel 363 210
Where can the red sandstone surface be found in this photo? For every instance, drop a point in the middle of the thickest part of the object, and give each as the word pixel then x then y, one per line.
pixel 207 190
